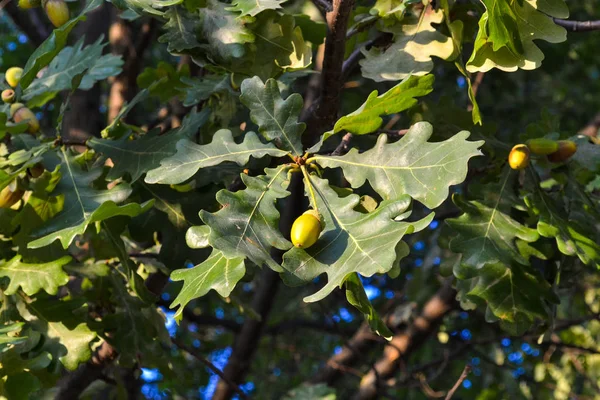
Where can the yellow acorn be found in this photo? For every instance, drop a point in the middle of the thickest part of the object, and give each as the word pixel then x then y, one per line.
pixel 27 4
pixel 57 12
pixel 10 195
pixel 20 113
pixel 542 146
pixel 566 149
pixel 519 157
pixel 13 76
pixel 306 229
pixel 8 96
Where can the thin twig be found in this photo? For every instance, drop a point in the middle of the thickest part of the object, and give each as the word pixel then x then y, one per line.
pixel 343 146
pixel 322 4
pixel 361 26
pixel 578 26
pixel 476 82
pixel 460 380
pixel 210 366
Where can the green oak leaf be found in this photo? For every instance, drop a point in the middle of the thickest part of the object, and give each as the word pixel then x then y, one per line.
pixel 415 42
pixel 389 9
pixel 571 238
pixel 253 7
pixel 152 7
pixel 277 119
pixel 423 170
pixel 355 294
pixel 223 33
pixel 507 31
pixel 200 89
pixel 136 157
pixel 487 234
pixel 70 346
pixel 278 46
pixel 308 391
pixel 24 159
pixel 69 63
pixel 217 272
pixel 45 53
pixel 115 128
pixel 134 326
pixel 171 84
pixel 21 386
pixel 351 241
pixel 367 118
pixel 515 294
pixel 248 223
pixel 32 278
pixel 191 157
pixel 113 228
pixel 83 205
pixel 180 30
pixel 6 340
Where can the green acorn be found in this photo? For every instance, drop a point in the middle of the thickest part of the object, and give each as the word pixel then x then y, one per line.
pixel 20 113
pixel 28 4
pixel 13 76
pixel 57 12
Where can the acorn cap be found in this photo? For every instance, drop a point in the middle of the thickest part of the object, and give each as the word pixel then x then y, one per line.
pixel 27 4
pixel 15 107
pixel 8 95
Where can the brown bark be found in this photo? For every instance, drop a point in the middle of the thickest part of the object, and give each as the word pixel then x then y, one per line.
pixel 131 46
pixel 325 110
pixel 83 118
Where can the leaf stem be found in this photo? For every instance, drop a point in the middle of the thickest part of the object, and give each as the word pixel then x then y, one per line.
pixel 310 187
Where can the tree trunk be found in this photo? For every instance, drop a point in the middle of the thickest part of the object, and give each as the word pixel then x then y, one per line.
pixel 83 119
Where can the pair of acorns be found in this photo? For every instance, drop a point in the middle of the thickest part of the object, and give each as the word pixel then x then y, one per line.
pixel 555 151
pixel 56 10
pixel 18 112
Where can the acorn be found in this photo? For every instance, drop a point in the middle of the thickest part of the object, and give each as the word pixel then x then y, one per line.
pixel 13 76
pixel 8 96
pixel 57 12
pixel 20 113
pixel 306 229
pixel 10 195
pixel 566 149
pixel 519 157
pixel 542 146
pixel 28 4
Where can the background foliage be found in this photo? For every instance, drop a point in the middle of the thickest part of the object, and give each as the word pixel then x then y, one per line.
pixel 149 255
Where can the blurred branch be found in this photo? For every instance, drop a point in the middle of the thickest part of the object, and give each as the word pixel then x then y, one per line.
pixel 407 341
pixel 404 342
pixel 578 26
pixel 460 380
pixel 591 129
pixel 210 366
pixel 477 82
